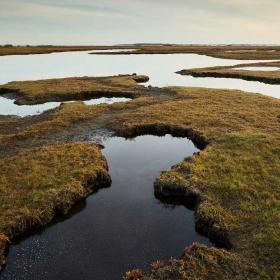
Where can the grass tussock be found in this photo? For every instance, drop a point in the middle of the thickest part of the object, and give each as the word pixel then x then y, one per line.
pixel 200 262
pixel 82 88
pixel 36 184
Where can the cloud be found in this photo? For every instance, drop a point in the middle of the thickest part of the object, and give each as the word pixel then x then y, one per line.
pixel 111 21
pixel 44 9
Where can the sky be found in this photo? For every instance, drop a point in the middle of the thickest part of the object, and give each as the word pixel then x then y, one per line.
pixel 97 22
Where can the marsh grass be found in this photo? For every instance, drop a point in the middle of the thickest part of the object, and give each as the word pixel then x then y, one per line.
pixel 269 77
pixel 76 88
pixel 236 176
pixel 37 184
pixel 245 52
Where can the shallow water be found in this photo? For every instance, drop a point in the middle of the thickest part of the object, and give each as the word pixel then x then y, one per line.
pixel 119 228
pixel 160 68
pixel 8 107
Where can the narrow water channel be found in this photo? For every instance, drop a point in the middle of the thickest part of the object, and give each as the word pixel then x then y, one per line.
pixel 118 228
pixel 8 107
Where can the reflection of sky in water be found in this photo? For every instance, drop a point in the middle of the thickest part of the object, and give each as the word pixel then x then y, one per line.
pixel 119 228
pixel 160 68
pixel 7 106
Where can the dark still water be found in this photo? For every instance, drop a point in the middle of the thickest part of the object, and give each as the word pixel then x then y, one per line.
pixel 118 228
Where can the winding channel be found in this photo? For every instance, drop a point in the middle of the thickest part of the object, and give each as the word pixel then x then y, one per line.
pixel 8 107
pixel 116 229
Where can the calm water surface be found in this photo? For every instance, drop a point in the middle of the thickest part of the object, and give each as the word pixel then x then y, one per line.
pixel 160 68
pixel 8 107
pixel 119 228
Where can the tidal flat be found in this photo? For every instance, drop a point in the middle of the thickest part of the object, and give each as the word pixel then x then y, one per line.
pixel 228 182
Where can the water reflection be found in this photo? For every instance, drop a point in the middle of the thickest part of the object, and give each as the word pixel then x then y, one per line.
pixel 160 68
pixel 8 107
pixel 121 227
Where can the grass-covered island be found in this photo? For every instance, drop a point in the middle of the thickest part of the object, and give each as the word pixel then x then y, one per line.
pixel 261 72
pixel 74 88
pixel 233 184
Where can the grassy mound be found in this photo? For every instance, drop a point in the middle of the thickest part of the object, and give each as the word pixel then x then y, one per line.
pixel 82 88
pixel 236 72
pixel 37 184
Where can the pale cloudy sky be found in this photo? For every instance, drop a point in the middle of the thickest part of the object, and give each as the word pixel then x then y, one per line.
pixel 130 21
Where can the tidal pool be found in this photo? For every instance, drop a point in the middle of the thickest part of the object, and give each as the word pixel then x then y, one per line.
pixel 160 68
pixel 118 228
pixel 8 107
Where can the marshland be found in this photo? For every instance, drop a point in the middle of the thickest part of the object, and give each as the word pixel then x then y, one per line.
pixel 139 140
pixel 196 194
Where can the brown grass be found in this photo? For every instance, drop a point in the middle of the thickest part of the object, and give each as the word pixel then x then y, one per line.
pixel 242 52
pixel 235 179
pixel 25 50
pixel 269 77
pixel 257 52
pixel 82 88
pixel 36 184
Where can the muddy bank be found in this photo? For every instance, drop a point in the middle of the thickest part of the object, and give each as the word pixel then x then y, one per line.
pixel 161 129
pixel 191 197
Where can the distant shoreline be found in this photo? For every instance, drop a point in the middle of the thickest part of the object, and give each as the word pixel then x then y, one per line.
pixel 227 51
